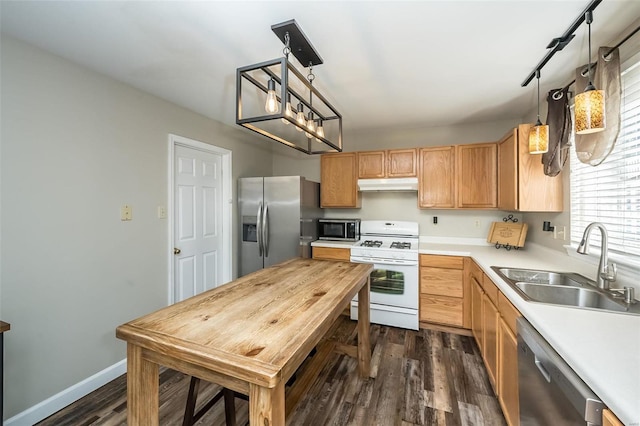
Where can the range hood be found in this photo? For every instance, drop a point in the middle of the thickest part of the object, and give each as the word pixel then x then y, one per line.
pixel 391 184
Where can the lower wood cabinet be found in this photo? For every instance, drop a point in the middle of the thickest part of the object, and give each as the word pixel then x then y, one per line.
pixel 508 373
pixel 476 310
pixel 610 419
pixel 331 253
pixel 442 294
pixel 490 319
pixel 493 324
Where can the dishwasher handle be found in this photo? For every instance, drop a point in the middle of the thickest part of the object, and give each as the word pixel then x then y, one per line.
pixel 541 368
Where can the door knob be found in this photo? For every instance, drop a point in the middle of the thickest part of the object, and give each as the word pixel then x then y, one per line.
pixel 176 250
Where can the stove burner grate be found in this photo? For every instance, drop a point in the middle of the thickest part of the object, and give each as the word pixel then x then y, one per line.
pixel 403 245
pixel 371 243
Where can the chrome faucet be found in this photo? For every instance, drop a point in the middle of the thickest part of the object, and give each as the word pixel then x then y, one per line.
pixel 606 273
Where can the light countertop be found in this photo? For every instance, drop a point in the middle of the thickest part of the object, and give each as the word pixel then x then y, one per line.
pixel 333 244
pixel 603 348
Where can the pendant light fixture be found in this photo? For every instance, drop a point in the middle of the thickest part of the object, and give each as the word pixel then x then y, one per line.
pixel 538 134
pixel 590 104
pixel 317 124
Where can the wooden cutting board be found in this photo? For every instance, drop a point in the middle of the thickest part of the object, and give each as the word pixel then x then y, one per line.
pixel 509 233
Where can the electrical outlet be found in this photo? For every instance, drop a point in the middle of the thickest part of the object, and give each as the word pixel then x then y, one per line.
pixel 476 222
pixel 126 213
pixel 560 233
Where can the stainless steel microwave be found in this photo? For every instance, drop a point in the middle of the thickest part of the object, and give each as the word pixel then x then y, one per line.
pixel 339 229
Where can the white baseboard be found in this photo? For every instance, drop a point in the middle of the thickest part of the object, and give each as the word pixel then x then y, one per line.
pixel 44 409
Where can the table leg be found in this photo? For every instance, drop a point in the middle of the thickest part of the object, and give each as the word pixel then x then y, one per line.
pixel 364 344
pixel 266 405
pixel 142 388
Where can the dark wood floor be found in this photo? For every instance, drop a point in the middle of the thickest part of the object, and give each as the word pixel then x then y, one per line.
pixel 421 377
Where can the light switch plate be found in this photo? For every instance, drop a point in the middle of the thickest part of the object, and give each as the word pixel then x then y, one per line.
pixel 126 212
pixel 162 212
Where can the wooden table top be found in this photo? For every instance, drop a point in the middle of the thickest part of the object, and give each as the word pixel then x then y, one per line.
pixel 257 328
pixel 4 326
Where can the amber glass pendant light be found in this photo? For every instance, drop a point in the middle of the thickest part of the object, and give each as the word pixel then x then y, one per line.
pixel 589 105
pixel 538 134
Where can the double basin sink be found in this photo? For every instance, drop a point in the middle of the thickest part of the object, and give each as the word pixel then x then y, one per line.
pixel 568 289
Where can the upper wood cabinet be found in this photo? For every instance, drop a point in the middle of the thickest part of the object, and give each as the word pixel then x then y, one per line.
pixel 477 175
pixel 387 164
pixel 522 184
pixel 402 163
pixel 339 180
pixel 436 187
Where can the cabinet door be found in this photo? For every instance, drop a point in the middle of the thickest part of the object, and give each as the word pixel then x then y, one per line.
pixel 537 192
pixel 508 373
pixel 402 163
pixel 610 419
pixel 441 281
pixel 371 165
pixel 437 177
pixel 477 174
pixel 508 172
pixel 338 180
pixel 441 309
pixel 476 311
pixel 490 318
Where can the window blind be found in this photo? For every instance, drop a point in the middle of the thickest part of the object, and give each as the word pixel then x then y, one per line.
pixel 610 193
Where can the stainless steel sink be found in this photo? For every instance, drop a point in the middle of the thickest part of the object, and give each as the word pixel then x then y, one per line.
pixel 563 288
pixel 543 277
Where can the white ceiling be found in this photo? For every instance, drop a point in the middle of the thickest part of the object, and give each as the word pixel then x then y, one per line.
pixel 386 63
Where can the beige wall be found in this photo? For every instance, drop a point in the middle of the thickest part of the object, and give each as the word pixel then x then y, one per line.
pixel 76 146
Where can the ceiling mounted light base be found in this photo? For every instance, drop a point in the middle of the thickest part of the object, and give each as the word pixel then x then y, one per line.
pixel 300 45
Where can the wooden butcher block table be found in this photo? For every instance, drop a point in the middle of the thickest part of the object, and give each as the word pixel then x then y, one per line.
pixel 249 335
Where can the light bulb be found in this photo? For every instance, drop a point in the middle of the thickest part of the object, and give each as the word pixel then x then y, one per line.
pixel 311 125
pixel 300 117
pixel 288 111
pixel 319 131
pixel 271 106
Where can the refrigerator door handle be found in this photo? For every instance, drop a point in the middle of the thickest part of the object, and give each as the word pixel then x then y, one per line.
pixel 265 229
pixel 259 229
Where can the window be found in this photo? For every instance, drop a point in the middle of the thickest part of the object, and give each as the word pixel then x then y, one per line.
pixel 610 193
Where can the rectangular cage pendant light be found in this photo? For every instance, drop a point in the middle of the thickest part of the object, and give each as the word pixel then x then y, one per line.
pixel 275 100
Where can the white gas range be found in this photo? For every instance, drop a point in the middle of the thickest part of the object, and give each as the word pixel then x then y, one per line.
pixel 392 247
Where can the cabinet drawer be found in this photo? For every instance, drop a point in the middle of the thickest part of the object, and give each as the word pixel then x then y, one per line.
pixel 448 262
pixel 331 253
pixel 441 309
pixel 508 312
pixel 439 281
pixel 491 289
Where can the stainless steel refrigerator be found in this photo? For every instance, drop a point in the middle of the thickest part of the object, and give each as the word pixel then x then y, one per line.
pixel 278 220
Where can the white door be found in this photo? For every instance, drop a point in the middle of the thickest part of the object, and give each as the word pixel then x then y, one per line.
pixel 198 222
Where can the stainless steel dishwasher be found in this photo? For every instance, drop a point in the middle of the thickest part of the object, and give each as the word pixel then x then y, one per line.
pixel 551 393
